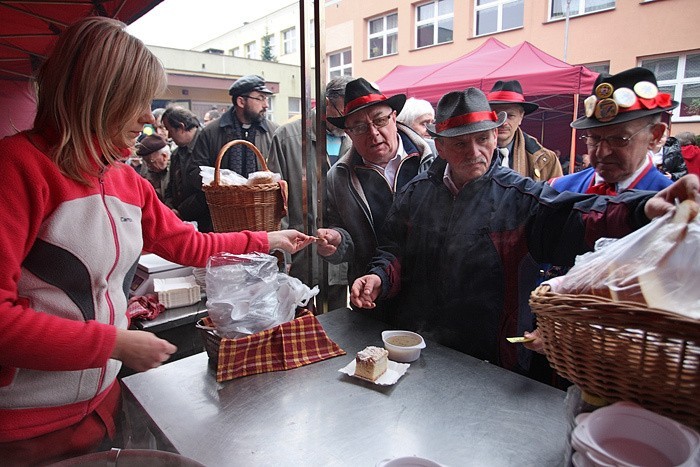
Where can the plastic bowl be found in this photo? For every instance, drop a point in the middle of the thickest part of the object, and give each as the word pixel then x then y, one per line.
pixel 403 346
pixel 625 434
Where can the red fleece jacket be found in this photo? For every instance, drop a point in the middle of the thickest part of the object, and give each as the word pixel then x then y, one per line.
pixel 68 253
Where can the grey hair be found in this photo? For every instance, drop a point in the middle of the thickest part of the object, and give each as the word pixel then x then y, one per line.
pixel 686 138
pixel 336 87
pixel 414 108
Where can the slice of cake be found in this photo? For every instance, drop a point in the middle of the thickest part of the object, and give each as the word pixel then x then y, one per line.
pixel 371 363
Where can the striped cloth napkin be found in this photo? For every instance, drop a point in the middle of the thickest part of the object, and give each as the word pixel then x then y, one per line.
pixel 295 343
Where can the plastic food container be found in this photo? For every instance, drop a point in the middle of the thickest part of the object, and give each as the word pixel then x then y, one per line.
pixel 624 434
pixel 403 346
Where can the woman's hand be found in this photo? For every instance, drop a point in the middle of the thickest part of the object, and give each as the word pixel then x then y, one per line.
pixel 365 291
pixel 290 241
pixel 141 350
pixel 328 241
pixel 664 201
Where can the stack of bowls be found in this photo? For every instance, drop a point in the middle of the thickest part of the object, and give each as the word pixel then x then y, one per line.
pixel 624 434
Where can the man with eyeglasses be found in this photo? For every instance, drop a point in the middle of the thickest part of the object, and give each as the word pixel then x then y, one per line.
pixel 460 246
pixel 622 122
pixel 361 185
pixel 245 120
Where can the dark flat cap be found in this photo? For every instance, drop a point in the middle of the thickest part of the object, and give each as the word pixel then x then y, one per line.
pixel 247 84
pixel 150 144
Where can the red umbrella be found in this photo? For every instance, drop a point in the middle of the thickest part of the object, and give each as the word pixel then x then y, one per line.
pixel 29 29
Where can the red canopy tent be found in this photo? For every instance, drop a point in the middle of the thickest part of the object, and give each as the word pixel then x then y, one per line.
pixel 28 30
pixel 555 85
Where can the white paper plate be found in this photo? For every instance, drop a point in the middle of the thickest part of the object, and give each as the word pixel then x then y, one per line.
pixel 393 372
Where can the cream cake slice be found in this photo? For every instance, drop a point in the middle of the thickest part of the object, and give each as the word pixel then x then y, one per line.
pixel 371 363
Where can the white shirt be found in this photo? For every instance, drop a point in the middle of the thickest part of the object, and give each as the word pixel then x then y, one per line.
pixel 622 185
pixel 389 171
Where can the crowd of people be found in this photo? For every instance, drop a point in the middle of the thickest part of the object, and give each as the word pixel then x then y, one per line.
pixel 436 220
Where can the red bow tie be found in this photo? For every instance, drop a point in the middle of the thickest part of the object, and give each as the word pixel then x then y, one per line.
pixel 603 188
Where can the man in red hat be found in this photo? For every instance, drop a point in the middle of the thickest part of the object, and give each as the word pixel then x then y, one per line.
pixel 622 122
pixel 361 186
pixel 460 245
pixel 520 151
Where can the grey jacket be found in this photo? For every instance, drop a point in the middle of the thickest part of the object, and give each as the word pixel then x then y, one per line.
pixel 358 198
pixel 285 159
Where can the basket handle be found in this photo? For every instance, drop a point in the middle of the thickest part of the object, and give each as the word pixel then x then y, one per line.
pixel 222 151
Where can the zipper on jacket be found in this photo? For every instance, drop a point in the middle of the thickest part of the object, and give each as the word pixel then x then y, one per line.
pixel 114 265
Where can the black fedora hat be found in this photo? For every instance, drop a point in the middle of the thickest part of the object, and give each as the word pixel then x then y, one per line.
pixel 360 94
pixel 464 112
pixel 510 92
pixel 626 96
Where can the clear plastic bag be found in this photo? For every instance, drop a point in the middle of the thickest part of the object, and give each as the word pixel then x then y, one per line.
pixel 247 294
pixel 657 266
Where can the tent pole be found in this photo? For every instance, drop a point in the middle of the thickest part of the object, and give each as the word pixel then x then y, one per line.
pixel 572 151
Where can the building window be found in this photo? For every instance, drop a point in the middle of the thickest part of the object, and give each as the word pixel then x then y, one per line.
pixel 679 76
pixel 270 113
pixel 598 67
pixel 289 41
pixel 383 35
pixel 268 48
pixel 434 23
pixel 251 50
pixel 294 105
pixel 236 52
pixel 339 64
pixel 497 15
pixel 578 7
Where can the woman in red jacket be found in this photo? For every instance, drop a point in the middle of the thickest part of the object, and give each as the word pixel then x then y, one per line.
pixel 75 219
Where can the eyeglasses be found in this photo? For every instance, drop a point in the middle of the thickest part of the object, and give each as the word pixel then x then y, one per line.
pixel 613 141
pixel 261 98
pixel 362 128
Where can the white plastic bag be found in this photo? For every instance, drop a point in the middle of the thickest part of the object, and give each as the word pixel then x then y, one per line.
pixel 657 266
pixel 247 294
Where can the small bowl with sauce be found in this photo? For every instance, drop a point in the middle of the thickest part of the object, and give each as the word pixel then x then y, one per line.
pixel 403 346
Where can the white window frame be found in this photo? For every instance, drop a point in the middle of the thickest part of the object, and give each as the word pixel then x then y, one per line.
pixel 384 34
pixel 499 4
pixel 293 106
pixel 289 41
pixel 434 21
pixel 251 50
pixel 677 83
pixel 343 67
pixel 270 112
pixel 581 9
pixel 596 66
pixel 273 44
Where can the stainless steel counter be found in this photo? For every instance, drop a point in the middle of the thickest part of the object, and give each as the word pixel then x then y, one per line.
pixel 448 407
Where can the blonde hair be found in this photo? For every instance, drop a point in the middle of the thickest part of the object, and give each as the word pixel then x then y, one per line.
pixel 97 79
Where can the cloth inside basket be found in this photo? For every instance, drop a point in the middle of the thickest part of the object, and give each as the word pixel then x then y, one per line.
pixel 298 342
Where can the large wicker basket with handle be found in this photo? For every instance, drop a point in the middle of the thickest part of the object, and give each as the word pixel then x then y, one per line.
pixel 245 207
pixel 623 351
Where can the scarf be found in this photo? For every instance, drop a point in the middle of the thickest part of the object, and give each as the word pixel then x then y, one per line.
pixel 240 158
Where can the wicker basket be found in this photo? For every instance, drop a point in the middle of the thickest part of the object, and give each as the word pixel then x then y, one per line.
pixel 244 207
pixel 623 351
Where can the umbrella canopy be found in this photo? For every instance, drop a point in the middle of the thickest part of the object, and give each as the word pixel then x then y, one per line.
pixel 29 29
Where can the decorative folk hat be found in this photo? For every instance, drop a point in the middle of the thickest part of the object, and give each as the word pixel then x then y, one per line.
pixel 628 95
pixel 247 84
pixel 360 94
pixel 464 112
pixel 510 92
pixel 150 144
